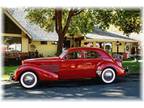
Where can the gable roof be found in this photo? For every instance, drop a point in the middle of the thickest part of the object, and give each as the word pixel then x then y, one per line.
pixel 104 35
pixel 34 32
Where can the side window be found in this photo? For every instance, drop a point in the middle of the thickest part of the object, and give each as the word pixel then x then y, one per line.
pixel 91 54
pixel 74 55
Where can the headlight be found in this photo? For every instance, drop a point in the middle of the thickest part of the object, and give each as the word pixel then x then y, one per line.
pixel 22 62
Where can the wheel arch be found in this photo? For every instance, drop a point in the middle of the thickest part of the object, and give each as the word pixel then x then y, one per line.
pixel 30 70
pixel 41 73
pixel 111 68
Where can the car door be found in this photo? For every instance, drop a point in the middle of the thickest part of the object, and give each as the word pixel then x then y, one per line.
pixel 71 66
pixel 79 64
pixel 91 61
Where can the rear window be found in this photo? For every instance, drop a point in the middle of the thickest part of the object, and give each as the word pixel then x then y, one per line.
pixel 91 54
pixel 104 54
pixel 74 55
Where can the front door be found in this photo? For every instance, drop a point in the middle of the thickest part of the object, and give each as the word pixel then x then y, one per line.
pixel 70 66
pixel 79 65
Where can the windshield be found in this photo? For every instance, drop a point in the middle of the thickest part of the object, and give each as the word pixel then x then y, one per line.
pixel 63 54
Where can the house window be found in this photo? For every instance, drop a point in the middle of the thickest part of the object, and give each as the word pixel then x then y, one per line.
pixel 44 42
pixel 12 43
pixel 54 43
pixel 108 47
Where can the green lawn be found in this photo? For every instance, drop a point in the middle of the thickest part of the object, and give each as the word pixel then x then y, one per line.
pixel 9 69
pixel 134 67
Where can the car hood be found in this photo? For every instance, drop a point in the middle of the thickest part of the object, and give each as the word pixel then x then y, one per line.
pixel 40 59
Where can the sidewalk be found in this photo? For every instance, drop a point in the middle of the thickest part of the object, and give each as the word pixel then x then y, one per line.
pixel 5 77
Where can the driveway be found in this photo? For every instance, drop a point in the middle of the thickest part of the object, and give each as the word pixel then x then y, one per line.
pixel 127 89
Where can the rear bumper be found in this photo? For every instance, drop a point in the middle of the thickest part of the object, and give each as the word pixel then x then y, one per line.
pixel 126 70
pixel 124 73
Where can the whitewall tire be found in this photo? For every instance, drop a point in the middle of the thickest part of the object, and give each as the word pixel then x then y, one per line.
pixel 28 80
pixel 108 75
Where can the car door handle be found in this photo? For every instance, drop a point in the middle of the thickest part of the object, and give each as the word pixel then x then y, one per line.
pixel 88 63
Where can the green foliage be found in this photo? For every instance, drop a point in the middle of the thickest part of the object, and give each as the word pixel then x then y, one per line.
pixel 43 17
pixel 134 67
pixel 11 40
pixel 128 20
pixel 82 21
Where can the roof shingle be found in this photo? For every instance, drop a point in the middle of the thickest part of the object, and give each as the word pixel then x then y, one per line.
pixel 33 30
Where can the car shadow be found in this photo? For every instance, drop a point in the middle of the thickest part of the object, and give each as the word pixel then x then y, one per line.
pixel 75 83
pixel 76 89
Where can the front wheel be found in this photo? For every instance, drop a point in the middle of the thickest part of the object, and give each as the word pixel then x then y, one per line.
pixel 28 80
pixel 108 75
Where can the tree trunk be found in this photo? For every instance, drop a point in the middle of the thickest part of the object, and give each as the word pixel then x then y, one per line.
pixel 60 44
pixel 61 31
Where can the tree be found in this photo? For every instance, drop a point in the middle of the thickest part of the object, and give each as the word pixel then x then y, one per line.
pixel 128 20
pixel 46 18
pixel 82 21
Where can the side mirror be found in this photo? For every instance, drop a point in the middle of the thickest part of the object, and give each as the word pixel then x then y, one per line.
pixel 65 57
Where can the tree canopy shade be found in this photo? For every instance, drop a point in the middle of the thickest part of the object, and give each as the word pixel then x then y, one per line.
pixel 74 21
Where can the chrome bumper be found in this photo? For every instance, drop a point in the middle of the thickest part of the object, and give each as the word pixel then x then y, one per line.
pixel 127 69
pixel 98 72
pixel 11 77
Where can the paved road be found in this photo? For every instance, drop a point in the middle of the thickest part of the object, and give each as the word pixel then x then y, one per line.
pixel 128 88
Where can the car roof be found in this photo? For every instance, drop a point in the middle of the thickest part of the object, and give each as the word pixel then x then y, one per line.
pixel 101 51
pixel 84 48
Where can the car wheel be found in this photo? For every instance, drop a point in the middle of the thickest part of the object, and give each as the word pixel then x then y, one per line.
pixel 28 80
pixel 108 75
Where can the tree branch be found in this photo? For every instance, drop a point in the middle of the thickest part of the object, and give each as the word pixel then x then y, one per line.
pixel 58 18
pixel 78 12
pixel 72 12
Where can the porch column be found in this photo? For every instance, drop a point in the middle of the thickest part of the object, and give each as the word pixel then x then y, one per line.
pixel 94 43
pixel 24 42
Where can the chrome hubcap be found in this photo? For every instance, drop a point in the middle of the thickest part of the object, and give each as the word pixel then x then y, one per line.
pixel 28 79
pixel 108 75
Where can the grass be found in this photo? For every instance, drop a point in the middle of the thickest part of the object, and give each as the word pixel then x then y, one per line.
pixel 133 66
pixel 9 69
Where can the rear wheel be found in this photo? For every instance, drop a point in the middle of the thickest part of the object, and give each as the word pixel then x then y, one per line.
pixel 28 80
pixel 108 75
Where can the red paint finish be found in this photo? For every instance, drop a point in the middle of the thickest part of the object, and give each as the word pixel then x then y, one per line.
pixel 74 63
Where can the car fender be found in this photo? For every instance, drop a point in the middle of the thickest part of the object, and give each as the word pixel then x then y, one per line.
pixel 108 64
pixel 41 73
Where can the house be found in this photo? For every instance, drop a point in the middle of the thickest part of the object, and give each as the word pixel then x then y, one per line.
pixel 113 43
pixel 21 35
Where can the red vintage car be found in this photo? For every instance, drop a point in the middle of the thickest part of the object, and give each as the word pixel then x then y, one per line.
pixel 74 63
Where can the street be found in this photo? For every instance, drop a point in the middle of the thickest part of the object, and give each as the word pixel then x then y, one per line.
pixel 126 88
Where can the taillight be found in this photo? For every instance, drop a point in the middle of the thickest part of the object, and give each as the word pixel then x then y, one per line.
pixel 119 63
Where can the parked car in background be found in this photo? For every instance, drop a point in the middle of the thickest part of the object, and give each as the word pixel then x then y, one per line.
pixel 73 63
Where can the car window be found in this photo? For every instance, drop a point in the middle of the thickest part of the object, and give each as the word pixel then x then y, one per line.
pixel 74 55
pixel 91 54
pixel 63 54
